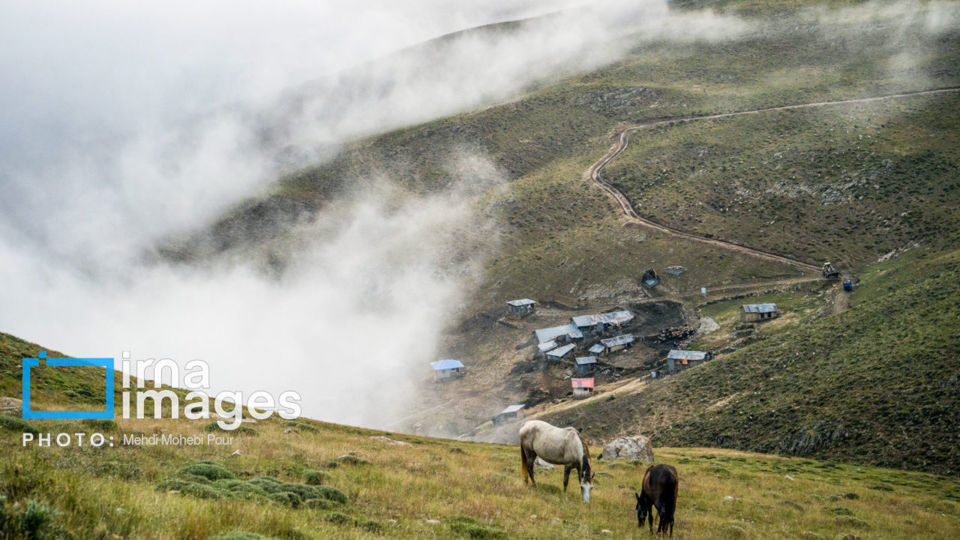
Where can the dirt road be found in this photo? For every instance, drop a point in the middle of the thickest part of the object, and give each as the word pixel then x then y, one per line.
pixel 595 170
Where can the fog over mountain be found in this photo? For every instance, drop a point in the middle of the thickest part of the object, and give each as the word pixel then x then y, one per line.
pixel 127 123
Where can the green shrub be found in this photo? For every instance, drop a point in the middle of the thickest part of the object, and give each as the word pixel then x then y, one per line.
pixel 15 424
pixel 474 530
pixel 208 470
pixel 339 518
pixel 240 430
pixel 301 426
pixel 314 478
pixel 37 520
pixel 240 535
pixel 372 526
pixel 100 424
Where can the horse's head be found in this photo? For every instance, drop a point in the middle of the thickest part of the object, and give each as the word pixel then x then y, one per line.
pixel 642 510
pixel 585 486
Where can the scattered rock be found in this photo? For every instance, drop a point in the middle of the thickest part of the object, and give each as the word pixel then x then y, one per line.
pixel 606 531
pixel 788 477
pixel 388 440
pixel 432 521
pixel 11 406
pixel 792 504
pixel 543 464
pixel 555 520
pixel 235 453
pixel 636 447
pixel 728 498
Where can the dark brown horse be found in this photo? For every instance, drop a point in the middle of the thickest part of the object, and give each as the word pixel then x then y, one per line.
pixel 660 486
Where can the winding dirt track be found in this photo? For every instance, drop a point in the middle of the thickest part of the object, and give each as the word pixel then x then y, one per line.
pixel 595 170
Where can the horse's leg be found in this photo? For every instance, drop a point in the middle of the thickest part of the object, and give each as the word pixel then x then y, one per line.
pixel 566 476
pixel 523 465
pixel 531 460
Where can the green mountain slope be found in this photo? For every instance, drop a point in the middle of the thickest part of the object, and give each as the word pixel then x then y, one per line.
pixel 305 479
pixel 875 384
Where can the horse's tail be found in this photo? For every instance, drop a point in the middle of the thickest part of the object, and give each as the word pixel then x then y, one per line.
pixel 523 465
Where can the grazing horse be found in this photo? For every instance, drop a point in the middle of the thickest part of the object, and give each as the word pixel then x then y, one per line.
pixel 660 485
pixel 560 446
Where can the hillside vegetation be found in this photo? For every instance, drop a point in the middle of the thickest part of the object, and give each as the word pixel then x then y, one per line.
pixel 305 479
pixel 874 384
pixel 561 237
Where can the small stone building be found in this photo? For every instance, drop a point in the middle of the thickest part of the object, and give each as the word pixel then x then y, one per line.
pixel 507 415
pixel 522 306
pixel 758 312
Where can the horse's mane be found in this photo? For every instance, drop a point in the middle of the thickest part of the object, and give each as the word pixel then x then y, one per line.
pixel 586 456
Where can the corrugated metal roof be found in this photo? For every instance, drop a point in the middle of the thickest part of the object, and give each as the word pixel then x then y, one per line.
pixel 521 302
pixel 760 308
pixel 616 317
pixel 548 334
pixel 512 409
pixel 596 349
pixel 582 383
pixel 548 346
pixel 618 340
pixel 446 364
pixel 560 352
pixel 677 354
pixel 584 360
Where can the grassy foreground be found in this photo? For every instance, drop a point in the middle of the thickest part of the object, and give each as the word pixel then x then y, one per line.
pixel 395 486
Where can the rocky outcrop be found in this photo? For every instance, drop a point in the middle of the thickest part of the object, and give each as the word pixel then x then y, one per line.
pixel 11 406
pixel 636 447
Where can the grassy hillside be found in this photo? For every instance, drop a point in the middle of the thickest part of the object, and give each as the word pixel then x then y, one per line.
pixel 874 384
pixel 304 479
pixel 845 183
pixel 562 238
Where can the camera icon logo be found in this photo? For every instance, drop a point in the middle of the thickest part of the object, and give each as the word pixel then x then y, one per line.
pixel 106 363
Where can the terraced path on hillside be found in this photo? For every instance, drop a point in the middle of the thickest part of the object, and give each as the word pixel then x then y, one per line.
pixel 595 170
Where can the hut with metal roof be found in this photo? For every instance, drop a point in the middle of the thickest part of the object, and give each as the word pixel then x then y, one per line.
pixel 679 359
pixel 510 413
pixel 522 306
pixel 560 352
pixel 758 312
pixel 444 370
pixel 596 348
pixel 599 323
pixel 617 343
pixel 582 387
pixel 585 364
pixel 560 334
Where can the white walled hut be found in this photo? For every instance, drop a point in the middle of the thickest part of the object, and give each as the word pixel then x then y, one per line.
pixel 582 387
pixel 445 370
pixel 509 414
pixel 523 306
pixel 758 312
pixel 678 359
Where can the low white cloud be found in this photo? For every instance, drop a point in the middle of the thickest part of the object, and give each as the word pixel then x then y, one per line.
pixel 129 122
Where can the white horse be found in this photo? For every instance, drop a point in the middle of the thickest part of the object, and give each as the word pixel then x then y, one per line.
pixel 560 446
